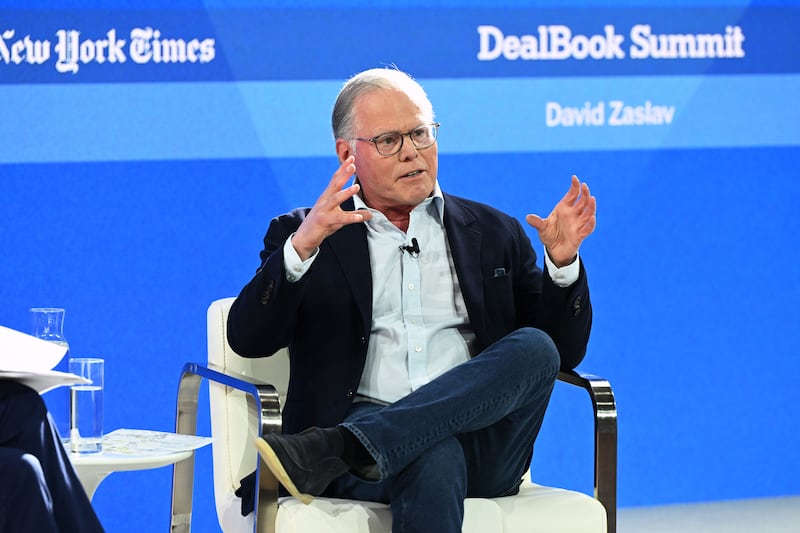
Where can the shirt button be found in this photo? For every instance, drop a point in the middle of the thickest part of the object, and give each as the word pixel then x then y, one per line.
pixel 411 286
pixel 418 349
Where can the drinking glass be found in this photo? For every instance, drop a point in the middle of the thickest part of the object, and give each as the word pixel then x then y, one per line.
pixel 86 406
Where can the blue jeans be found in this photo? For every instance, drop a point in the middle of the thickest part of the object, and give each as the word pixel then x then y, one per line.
pixel 468 433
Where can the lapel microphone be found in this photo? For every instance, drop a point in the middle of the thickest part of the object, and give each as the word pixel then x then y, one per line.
pixel 412 248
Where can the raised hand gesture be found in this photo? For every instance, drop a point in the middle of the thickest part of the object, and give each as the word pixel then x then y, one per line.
pixel 572 220
pixel 327 217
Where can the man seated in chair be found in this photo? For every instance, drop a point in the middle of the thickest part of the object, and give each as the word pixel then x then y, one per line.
pixel 424 340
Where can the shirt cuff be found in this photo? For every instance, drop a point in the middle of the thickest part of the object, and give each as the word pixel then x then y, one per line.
pixel 294 266
pixel 564 276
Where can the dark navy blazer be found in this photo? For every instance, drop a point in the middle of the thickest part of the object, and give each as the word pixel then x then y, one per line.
pixel 324 318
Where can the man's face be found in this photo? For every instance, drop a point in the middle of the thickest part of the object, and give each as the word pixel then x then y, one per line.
pixel 398 182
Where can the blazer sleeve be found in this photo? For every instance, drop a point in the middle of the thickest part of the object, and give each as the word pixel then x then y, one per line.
pixel 564 313
pixel 262 317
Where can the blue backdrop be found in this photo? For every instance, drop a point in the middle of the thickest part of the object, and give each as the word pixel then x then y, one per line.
pixel 144 150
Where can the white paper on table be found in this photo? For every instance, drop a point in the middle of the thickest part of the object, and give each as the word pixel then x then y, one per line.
pixel 147 442
pixel 30 360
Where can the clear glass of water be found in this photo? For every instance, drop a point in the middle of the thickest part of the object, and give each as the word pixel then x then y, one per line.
pixel 86 406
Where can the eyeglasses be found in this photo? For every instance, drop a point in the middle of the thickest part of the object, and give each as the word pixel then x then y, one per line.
pixel 391 143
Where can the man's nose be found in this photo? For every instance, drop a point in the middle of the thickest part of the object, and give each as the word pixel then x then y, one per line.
pixel 408 150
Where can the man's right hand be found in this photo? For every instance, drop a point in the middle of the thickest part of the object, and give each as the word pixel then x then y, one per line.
pixel 326 217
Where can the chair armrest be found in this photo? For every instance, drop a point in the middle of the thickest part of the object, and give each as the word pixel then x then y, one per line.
pixel 605 439
pixel 266 406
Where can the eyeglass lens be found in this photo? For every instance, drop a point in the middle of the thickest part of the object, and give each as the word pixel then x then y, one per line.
pixel 391 143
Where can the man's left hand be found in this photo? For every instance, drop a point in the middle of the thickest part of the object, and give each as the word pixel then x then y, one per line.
pixel 572 220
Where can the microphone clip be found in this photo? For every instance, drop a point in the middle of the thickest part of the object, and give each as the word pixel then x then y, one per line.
pixel 412 249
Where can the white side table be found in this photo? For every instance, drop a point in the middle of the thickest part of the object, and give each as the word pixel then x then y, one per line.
pixel 138 450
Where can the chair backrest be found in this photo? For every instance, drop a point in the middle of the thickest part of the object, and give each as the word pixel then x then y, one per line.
pixel 234 455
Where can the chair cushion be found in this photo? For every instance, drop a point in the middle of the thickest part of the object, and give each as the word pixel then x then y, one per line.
pixel 348 516
pixel 540 509
pixel 333 516
pixel 535 509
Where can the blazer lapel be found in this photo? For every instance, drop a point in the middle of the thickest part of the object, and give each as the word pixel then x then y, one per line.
pixel 464 238
pixel 349 245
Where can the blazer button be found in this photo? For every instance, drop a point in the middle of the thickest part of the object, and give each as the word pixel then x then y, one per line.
pixel 576 306
pixel 267 293
pixel 350 394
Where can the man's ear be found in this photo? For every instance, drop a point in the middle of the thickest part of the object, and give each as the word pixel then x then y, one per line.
pixel 343 149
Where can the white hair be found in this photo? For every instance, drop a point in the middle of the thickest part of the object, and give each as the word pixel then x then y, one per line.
pixel 343 116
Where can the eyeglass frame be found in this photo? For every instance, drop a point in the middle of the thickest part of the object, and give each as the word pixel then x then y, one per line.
pixel 374 140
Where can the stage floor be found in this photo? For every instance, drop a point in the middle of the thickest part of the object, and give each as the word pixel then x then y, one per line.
pixel 769 515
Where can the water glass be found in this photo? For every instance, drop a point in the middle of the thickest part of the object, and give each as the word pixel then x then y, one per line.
pixel 86 406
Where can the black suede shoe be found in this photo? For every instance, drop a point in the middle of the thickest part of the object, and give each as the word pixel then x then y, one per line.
pixel 306 463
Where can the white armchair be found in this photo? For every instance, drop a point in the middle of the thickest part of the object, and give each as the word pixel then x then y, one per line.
pixel 244 406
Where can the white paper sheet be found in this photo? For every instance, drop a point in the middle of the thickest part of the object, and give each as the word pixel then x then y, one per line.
pixel 45 381
pixel 25 353
pixel 30 360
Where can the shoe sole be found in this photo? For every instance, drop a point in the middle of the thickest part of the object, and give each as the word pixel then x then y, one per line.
pixel 274 464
